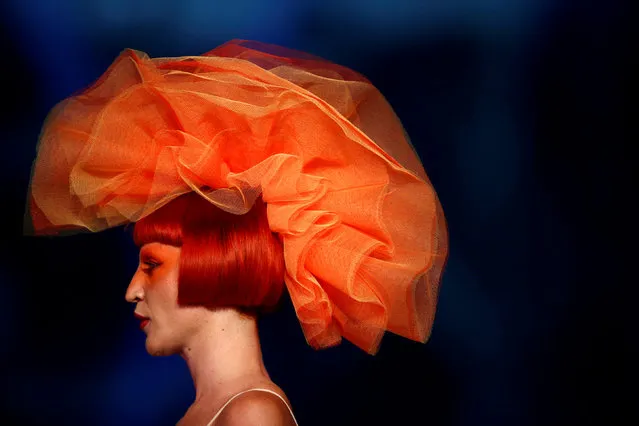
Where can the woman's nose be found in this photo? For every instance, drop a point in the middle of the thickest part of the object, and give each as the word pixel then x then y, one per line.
pixel 135 291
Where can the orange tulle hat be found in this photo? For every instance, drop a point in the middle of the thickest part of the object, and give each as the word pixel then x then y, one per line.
pixel 363 232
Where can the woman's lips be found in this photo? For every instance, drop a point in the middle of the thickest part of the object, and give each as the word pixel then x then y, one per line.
pixel 144 321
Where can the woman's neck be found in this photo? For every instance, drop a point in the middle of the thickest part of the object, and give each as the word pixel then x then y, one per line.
pixel 225 355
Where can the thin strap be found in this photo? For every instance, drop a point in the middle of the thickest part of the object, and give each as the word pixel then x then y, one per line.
pixel 248 390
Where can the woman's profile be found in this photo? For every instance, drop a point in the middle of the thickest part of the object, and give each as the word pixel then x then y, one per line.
pixel 203 277
pixel 246 172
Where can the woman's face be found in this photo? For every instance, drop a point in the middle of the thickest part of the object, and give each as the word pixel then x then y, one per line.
pixel 154 290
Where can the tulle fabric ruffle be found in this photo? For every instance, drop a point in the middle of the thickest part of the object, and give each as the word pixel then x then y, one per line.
pixel 363 232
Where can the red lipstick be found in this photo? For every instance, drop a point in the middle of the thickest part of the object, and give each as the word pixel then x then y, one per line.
pixel 143 320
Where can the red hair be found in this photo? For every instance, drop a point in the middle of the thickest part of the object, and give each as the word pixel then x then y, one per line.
pixel 226 260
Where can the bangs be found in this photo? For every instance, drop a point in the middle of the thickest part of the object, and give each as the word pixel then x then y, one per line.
pixel 162 226
pixel 153 231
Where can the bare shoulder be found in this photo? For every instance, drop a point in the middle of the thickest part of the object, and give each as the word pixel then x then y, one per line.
pixel 256 409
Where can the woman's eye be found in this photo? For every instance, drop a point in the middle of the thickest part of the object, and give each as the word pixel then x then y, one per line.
pixel 149 266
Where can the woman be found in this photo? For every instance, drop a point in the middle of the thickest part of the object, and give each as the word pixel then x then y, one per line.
pixel 203 278
pixel 243 168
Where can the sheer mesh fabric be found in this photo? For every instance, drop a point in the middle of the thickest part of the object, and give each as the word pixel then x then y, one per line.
pixel 363 231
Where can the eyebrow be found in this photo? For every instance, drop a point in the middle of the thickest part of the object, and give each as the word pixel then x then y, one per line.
pixel 145 255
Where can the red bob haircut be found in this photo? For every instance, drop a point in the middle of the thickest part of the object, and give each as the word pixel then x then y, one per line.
pixel 226 260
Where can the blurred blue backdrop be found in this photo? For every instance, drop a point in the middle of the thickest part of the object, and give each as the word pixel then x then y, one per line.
pixel 515 108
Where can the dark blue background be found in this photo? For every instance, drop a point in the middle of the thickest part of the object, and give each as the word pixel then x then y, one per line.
pixel 515 107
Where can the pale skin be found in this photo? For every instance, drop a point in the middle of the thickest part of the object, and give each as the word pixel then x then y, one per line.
pixel 221 347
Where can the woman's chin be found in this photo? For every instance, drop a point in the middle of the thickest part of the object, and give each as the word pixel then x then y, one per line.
pixel 157 348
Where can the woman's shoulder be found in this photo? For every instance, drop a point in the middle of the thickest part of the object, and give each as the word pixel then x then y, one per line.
pixel 257 406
